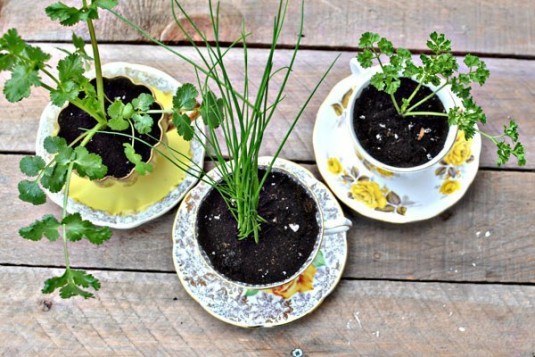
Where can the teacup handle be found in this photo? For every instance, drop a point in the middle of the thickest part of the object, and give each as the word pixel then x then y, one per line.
pixel 355 66
pixel 337 226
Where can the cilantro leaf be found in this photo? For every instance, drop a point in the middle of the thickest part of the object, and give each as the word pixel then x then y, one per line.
pixel 185 97
pixel 70 282
pixel 45 227
pixel 143 123
pixel 54 178
pixel 66 15
pixel 79 45
pixel 183 125
pixel 29 191
pixel 19 85
pixel 32 165
pixel 54 144
pixel 71 68
pixel 67 91
pixel 77 228
pixel 88 164
pixel 12 42
pixel 142 168
pixel 143 102
pixel 119 114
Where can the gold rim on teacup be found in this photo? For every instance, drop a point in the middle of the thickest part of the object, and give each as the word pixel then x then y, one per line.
pixel 326 228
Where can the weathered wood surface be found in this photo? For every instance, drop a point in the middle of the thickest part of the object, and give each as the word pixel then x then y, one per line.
pixel 150 314
pixel 484 26
pixel 447 248
pixel 510 92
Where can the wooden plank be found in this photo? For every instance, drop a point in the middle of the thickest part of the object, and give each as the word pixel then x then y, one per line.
pixel 452 247
pixel 151 314
pixel 509 92
pixel 489 26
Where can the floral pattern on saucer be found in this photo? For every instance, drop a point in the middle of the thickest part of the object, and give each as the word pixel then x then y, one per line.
pixel 378 193
pixel 244 307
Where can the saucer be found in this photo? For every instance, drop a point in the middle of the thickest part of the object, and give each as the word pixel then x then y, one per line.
pixel 243 307
pixel 383 195
pixel 150 196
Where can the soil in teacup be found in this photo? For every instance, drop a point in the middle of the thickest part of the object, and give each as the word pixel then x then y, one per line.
pixel 396 140
pixel 110 147
pixel 287 237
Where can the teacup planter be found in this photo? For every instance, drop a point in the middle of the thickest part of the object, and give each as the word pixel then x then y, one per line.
pixel 393 143
pixel 398 141
pixel 124 199
pixel 297 262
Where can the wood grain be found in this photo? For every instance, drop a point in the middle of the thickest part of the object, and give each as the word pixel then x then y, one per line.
pixel 485 26
pixel 447 248
pixel 510 92
pixel 151 314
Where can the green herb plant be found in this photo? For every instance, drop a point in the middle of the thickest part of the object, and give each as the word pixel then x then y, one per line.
pixel 239 117
pixel 439 68
pixel 29 67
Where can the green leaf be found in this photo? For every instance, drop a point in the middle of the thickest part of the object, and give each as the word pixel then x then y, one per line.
pixel 70 282
pixel 519 152
pixel 183 125
pixel 365 58
pixel 143 102
pixel 185 97
pixel 55 144
pixel 29 191
pixel 67 91
pixel 66 15
pixel 142 168
pixel 88 164
pixel 45 227
pixel 368 39
pixel 212 110
pixel 77 228
pixel 511 130
pixel 12 42
pixel 19 85
pixel 105 4
pixel 143 123
pixel 79 44
pixel 32 165
pixel 54 178
pixel 386 46
pixel 119 114
pixel 71 68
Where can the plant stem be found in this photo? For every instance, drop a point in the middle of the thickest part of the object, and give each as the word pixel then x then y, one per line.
pixel 392 97
pixel 98 63
pixel 426 98
pixel 413 114
pixel 409 100
pixel 64 214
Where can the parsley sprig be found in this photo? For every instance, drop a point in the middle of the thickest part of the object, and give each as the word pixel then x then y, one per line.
pixel 439 68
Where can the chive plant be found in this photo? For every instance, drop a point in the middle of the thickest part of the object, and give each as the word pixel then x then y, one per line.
pixel 241 117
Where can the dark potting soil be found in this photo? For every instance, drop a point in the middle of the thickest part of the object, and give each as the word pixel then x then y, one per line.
pixel 395 140
pixel 286 239
pixel 110 147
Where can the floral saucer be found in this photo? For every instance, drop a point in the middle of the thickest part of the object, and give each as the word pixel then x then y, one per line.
pixel 380 194
pixel 243 307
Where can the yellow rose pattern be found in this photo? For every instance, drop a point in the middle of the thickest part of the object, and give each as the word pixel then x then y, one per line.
pixel 362 189
pixel 459 155
pixel 461 151
pixel 369 193
pixel 334 166
pixel 302 284
pixel 449 187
